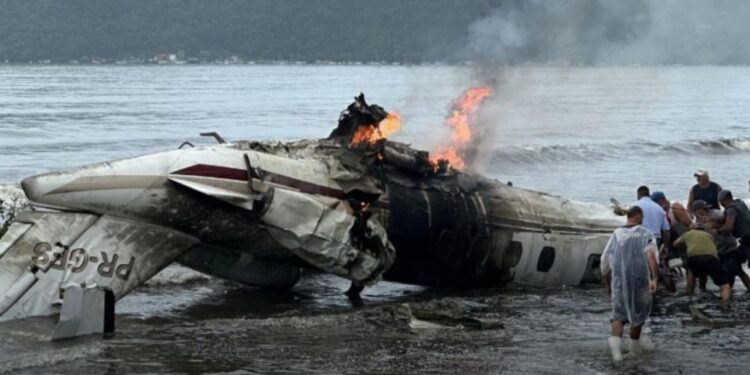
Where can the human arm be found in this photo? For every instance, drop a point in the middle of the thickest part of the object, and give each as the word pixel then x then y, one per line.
pixel 653 265
pixel 666 236
pixel 604 264
pixel 665 232
pixel 680 242
pixel 607 281
pixel 681 214
pixel 729 217
pixel 690 201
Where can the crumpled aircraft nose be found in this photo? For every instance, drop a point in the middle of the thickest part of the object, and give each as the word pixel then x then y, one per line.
pixel 38 188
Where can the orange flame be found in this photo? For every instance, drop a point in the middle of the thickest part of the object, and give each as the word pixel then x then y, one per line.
pixel 373 133
pixel 464 110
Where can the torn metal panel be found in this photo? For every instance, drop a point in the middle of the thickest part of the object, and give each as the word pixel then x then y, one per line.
pixel 358 113
pixel 322 236
pixel 231 192
pixel 325 162
pixel 407 159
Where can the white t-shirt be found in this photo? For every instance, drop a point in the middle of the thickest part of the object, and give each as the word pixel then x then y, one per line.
pixel 654 217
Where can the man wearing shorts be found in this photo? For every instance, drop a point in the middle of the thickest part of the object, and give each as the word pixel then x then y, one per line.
pixel 736 221
pixel 703 260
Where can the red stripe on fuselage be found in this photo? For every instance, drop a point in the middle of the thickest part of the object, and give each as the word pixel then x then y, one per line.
pixel 269 177
pixel 215 171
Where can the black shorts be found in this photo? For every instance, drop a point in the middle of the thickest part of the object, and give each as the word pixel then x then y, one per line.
pixel 744 249
pixel 707 265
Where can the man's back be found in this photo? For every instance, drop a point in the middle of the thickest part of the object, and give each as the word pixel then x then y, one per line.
pixel 626 257
pixel 654 217
pixel 700 242
pixel 741 214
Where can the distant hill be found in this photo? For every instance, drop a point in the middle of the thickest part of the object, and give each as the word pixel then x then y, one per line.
pixel 409 31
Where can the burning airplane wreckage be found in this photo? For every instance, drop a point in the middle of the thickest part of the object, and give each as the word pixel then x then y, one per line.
pixel 355 205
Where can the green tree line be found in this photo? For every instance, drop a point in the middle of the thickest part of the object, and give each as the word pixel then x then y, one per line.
pixel 301 30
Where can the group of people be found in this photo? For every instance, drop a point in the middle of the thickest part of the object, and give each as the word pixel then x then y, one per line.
pixel 660 234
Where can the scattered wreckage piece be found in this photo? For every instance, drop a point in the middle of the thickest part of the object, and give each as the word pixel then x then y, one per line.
pixel 700 318
pixel 258 212
pixel 85 311
pixel 322 236
pixel 434 314
pixel 436 320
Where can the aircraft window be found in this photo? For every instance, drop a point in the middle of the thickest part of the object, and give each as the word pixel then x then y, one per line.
pixel 512 254
pixel 546 259
pixel 592 275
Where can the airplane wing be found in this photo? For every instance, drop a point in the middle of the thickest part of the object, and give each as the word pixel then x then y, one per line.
pixel 45 252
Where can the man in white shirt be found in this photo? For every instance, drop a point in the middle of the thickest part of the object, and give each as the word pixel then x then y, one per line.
pixel 654 217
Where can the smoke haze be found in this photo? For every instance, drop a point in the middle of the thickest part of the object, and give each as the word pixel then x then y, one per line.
pixel 593 32
pixel 606 32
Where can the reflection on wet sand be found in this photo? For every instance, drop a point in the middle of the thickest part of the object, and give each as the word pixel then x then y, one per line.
pixel 221 327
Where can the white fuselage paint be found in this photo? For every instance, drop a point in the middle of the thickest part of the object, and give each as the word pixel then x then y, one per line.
pixel 138 188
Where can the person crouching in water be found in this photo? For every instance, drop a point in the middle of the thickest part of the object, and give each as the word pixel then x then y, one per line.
pixel 736 220
pixel 703 260
pixel 729 256
pixel 629 268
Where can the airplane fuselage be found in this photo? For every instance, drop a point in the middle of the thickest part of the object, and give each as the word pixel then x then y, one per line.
pixel 448 229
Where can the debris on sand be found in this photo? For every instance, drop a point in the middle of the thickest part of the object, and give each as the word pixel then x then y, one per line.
pixel 451 313
pixel 701 318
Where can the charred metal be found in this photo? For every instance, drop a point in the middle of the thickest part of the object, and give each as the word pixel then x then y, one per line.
pixel 258 212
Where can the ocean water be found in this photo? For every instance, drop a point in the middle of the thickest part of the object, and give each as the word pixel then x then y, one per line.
pixel 586 133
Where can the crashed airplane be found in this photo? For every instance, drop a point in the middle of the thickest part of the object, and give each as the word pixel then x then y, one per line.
pixel 257 213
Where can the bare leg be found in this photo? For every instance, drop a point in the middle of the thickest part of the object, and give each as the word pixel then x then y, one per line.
pixel 690 283
pixel 635 333
pixel 639 344
pixel 615 340
pixel 745 279
pixel 617 328
pixel 726 294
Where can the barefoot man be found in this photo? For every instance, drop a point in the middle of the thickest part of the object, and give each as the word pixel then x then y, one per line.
pixel 629 267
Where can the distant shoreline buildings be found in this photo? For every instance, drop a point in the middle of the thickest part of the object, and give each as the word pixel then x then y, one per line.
pixel 205 58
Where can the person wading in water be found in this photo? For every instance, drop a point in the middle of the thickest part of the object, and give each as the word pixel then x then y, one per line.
pixel 629 269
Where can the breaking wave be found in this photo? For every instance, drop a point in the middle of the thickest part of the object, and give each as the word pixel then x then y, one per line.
pixel 12 193
pixel 176 275
pixel 539 154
